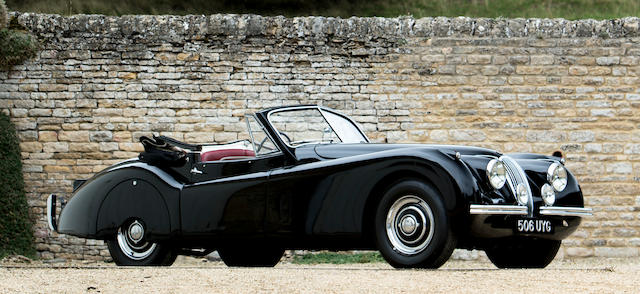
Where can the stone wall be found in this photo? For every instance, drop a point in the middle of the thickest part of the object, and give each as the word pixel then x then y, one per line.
pixel 516 85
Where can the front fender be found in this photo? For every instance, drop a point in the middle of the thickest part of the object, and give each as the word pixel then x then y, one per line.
pixel 341 194
pixel 445 172
pixel 133 190
pixel 464 183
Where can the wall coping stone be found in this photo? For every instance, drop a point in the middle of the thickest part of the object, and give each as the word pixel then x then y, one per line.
pixel 170 28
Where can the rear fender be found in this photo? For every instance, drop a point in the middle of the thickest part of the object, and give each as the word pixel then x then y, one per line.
pixel 134 198
pixel 129 191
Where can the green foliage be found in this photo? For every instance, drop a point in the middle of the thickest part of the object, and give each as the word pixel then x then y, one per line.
pixel 4 15
pixel 338 258
pixel 15 48
pixel 570 9
pixel 16 235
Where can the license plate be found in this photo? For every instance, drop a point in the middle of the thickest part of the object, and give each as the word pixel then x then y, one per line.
pixel 538 226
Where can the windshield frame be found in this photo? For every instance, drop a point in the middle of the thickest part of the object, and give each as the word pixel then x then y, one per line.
pixel 320 109
pixel 251 137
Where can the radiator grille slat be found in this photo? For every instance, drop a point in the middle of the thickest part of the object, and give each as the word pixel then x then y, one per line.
pixel 516 176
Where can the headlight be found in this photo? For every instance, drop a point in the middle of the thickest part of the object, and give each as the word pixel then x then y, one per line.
pixel 521 194
pixel 548 194
pixel 557 176
pixel 496 173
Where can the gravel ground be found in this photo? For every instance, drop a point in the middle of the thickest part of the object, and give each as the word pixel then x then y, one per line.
pixel 591 275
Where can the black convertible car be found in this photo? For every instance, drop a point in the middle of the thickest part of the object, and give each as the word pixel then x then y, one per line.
pixel 308 178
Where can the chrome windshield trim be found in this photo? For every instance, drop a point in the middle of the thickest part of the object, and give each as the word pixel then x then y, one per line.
pixel 498 209
pixel 320 109
pixel 565 211
pixel 253 145
pixel 353 122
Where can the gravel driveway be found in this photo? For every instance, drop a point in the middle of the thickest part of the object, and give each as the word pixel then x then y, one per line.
pixel 190 275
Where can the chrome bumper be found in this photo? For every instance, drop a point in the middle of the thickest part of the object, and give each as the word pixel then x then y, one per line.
pixel 498 209
pixel 52 217
pixel 522 210
pixel 566 211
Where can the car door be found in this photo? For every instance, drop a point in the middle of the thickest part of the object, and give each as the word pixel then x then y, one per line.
pixel 311 188
pixel 229 196
pixel 315 199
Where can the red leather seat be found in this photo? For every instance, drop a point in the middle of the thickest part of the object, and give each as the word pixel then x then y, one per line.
pixel 220 154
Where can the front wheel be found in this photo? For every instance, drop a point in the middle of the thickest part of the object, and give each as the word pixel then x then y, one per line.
pixel 523 252
pixel 130 247
pixel 267 256
pixel 412 227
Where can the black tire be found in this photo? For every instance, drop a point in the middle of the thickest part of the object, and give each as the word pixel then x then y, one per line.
pixel 429 242
pixel 523 252
pixel 251 256
pixel 126 252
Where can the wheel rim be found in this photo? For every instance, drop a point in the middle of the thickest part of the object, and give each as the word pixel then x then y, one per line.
pixel 410 225
pixel 132 242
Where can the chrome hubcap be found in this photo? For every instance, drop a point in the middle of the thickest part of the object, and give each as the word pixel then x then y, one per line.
pixel 132 243
pixel 136 231
pixel 410 225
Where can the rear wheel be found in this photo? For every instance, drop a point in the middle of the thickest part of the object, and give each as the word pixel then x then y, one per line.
pixel 251 256
pixel 412 228
pixel 523 252
pixel 130 247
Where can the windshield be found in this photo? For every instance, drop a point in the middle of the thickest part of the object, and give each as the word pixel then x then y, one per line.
pixel 297 126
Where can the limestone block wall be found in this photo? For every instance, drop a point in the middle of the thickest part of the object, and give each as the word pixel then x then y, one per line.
pixel 515 85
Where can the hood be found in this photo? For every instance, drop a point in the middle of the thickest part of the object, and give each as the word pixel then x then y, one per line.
pixel 332 151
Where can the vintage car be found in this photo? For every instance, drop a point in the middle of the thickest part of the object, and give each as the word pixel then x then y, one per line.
pixel 308 178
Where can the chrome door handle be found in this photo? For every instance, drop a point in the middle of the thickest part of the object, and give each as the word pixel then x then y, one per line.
pixel 196 171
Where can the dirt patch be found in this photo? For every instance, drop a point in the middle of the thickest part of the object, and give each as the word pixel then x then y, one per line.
pixel 198 275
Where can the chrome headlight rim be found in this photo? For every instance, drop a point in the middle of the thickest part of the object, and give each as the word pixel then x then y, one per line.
pixel 496 173
pixel 557 176
pixel 522 194
pixel 548 194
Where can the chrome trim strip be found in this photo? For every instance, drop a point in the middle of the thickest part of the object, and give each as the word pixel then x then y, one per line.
pixel 566 211
pixel 498 209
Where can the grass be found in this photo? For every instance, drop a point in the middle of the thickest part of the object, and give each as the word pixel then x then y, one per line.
pixel 338 258
pixel 570 9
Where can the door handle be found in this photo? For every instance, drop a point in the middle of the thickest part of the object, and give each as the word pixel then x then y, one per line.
pixel 196 171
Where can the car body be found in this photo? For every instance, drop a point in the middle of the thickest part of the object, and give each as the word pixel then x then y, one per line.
pixel 308 178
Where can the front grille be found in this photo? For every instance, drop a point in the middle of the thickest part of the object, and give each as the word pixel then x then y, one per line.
pixel 515 176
